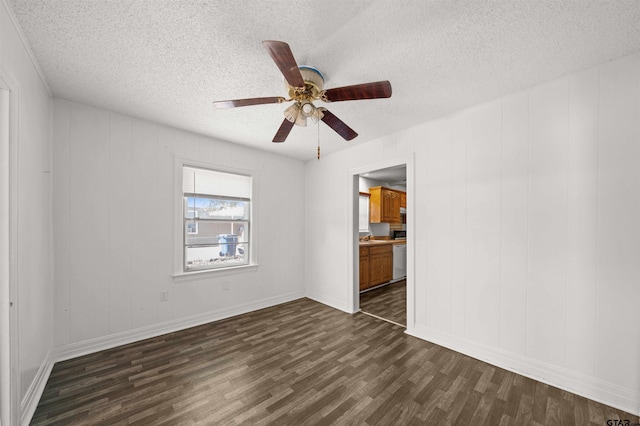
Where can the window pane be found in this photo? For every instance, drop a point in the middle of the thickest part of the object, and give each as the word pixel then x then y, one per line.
pixel 209 232
pixel 216 213
pixel 227 253
pixel 215 208
pixel 363 216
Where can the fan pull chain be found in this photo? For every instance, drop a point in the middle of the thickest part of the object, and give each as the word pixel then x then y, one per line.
pixel 318 140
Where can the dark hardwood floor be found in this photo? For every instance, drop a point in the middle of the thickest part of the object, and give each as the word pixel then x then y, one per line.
pixel 300 363
pixel 388 302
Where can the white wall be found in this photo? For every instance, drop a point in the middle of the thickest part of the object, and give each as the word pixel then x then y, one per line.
pixel 527 230
pixel 114 238
pixel 34 284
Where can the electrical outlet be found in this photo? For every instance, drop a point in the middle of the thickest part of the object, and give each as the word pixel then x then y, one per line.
pixel 164 295
pixel 225 285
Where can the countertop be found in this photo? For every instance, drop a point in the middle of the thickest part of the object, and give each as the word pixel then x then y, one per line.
pixel 380 242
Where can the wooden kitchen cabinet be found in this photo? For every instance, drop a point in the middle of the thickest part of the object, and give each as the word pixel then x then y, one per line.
pixel 364 268
pixel 380 264
pixel 384 205
pixel 403 200
pixel 376 265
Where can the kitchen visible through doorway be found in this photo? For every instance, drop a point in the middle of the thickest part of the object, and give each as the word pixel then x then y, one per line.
pixel 382 241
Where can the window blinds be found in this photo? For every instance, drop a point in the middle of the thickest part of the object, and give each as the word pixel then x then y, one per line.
pixel 209 182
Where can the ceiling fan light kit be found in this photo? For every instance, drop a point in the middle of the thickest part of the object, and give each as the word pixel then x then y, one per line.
pixel 305 84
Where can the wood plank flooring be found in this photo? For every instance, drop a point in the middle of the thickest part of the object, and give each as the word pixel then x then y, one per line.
pixel 300 363
pixel 388 302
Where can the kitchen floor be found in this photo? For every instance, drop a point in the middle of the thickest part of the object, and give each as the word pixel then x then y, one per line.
pixel 388 302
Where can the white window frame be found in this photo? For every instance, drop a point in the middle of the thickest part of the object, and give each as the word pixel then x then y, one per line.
pixel 179 272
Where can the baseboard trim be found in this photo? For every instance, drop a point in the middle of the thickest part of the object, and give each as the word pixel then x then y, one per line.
pixel 590 387
pixel 32 397
pixel 74 350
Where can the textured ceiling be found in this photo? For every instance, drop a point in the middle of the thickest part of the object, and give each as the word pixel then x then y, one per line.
pixel 167 60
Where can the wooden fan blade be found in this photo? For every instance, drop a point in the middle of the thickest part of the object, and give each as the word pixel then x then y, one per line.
pixel 338 125
pixel 378 89
pixel 283 131
pixel 281 54
pixel 248 102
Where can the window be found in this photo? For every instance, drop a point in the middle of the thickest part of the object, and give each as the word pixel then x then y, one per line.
pixel 216 215
pixel 363 213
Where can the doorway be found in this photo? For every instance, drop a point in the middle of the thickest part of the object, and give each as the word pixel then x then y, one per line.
pixel 9 407
pixel 388 297
pixel 386 300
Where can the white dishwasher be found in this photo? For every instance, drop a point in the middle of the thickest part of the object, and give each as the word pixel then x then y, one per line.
pixel 399 261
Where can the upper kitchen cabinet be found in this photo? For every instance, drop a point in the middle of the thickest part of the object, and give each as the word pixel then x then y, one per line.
pixel 384 205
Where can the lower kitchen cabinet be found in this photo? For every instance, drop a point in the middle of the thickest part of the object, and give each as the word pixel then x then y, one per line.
pixel 376 265
pixel 364 268
pixel 380 264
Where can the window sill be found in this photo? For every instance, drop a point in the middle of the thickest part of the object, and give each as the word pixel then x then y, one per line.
pixel 195 275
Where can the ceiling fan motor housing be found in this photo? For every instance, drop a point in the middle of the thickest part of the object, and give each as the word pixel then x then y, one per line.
pixel 313 85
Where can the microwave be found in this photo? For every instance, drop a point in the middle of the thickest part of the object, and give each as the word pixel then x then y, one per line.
pixel 399 235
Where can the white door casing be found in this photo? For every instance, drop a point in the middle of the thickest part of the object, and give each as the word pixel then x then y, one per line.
pixel 9 398
pixel 354 300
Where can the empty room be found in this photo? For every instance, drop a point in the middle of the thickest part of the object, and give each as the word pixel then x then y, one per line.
pixel 343 212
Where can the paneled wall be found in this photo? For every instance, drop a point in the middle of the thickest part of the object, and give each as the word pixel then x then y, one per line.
pixel 527 230
pixel 114 242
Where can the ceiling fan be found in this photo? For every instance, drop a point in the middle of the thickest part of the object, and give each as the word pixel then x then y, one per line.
pixel 305 85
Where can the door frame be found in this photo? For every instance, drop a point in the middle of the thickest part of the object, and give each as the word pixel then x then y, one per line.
pixel 354 174
pixel 9 359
